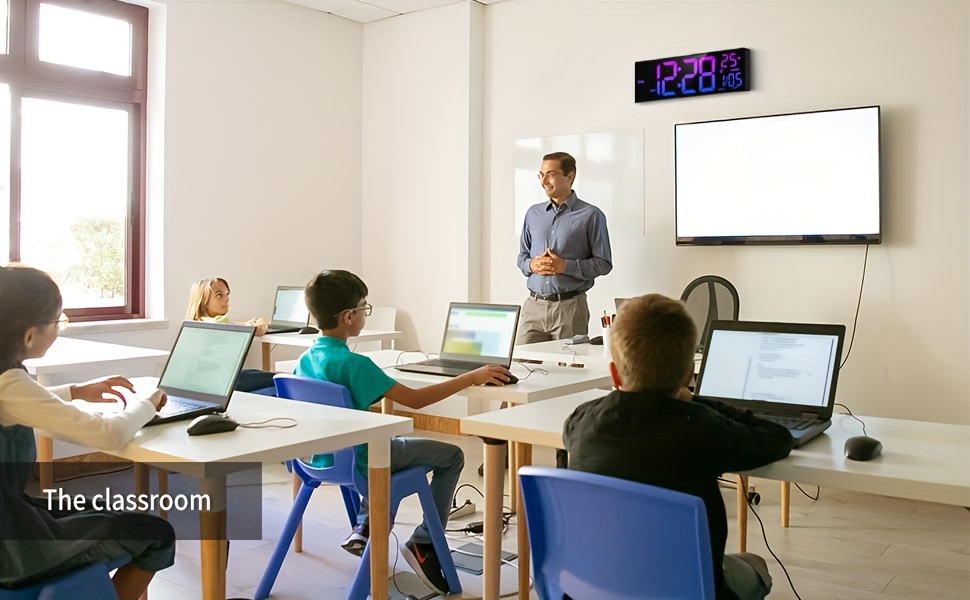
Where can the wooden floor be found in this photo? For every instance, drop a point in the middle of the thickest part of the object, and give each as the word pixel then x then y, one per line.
pixel 844 545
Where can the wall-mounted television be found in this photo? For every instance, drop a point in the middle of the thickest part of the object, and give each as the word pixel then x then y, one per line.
pixel 801 178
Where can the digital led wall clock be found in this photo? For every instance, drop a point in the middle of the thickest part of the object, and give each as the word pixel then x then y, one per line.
pixel 693 75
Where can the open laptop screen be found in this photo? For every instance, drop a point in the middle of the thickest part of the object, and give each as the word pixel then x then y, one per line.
pixel 773 363
pixel 480 332
pixel 206 360
pixel 290 307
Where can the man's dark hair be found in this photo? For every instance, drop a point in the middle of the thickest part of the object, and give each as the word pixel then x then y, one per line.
pixel 566 162
pixel 331 292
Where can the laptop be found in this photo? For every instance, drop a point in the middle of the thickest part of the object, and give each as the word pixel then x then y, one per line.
pixel 290 313
pixel 475 335
pixel 783 372
pixel 202 369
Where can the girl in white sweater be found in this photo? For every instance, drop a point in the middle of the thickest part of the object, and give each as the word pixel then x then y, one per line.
pixel 36 543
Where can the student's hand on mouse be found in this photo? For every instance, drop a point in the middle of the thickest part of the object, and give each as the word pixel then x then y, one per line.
pixel 102 390
pixel 496 374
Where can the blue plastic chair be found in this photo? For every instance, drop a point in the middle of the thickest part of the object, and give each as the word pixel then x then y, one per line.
pixel 340 468
pixel 646 542
pixel 90 582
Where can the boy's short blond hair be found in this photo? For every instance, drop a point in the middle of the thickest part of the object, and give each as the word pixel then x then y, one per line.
pixel 653 342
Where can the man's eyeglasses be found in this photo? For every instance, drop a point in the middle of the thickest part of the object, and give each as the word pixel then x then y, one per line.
pixel 62 322
pixel 542 176
pixel 367 308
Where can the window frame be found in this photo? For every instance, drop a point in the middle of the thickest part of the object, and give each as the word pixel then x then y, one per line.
pixel 28 76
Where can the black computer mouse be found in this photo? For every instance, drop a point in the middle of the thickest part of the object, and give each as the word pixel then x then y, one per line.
pixel 596 341
pixel 512 379
pixel 862 447
pixel 308 329
pixel 207 424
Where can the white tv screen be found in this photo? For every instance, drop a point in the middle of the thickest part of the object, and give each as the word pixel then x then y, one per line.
pixel 799 178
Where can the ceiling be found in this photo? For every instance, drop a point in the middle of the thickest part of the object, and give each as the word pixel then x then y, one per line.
pixel 374 10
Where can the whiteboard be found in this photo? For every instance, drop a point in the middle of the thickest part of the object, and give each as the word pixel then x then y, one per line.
pixel 609 175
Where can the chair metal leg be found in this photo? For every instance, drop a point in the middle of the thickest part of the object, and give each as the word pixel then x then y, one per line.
pixel 286 538
pixel 437 533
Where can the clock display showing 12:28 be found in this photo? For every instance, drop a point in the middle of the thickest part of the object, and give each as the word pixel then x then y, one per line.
pixel 693 75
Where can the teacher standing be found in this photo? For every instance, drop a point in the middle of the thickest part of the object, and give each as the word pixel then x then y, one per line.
pixel 564 247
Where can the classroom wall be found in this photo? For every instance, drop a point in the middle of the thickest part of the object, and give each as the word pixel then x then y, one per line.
pixel 262 117
pixel 421 188
pixel 563 67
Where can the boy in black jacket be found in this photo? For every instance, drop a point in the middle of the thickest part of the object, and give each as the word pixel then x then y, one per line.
pixel 653 431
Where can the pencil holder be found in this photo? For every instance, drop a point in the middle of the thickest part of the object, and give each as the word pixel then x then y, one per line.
pixel 606 343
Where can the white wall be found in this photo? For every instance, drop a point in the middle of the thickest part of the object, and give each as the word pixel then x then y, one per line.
pixel 262 114
pixel 421 190
pixel 563 67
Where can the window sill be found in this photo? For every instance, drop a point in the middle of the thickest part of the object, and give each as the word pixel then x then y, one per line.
pixel 78 329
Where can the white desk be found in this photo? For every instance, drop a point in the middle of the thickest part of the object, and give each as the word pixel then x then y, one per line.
pixel 306 340
pixel 68 355
pixel 320 429
pixel 71 354
pixel 578 354
pixel 919 461
pixel 560 381
pixel 922 461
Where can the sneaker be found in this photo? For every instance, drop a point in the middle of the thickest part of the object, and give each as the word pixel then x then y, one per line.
pixel 424 561
pixel 357 540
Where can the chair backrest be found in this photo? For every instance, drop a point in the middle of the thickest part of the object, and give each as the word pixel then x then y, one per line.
pixel 710 298
pixel 600 537
pixel 337 467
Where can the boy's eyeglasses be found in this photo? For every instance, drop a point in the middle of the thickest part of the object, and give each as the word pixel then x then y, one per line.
pixel 367 308
pixel 62 322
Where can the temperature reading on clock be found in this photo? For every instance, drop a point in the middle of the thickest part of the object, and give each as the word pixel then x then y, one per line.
pixel 693 75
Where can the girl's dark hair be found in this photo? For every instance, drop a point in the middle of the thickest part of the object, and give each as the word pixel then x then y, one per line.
pixel 330 293
pixel 28 298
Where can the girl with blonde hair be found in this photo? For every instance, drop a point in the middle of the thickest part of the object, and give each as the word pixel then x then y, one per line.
pixel 209 301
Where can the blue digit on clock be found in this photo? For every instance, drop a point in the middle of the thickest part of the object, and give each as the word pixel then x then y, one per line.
pixel 662 81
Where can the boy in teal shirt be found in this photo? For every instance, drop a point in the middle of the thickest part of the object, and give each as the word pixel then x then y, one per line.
pixel 338 302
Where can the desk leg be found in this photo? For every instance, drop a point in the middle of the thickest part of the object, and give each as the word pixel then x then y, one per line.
pixel 523 455
pixel 162 489
pixel 298 536
pixel 742 513
pixel 379 482
pixel 514 477
pixel 267 352
pixel 785 502
pixel 142 475
pixel 215 551
pixel 45 461
pixel 494 487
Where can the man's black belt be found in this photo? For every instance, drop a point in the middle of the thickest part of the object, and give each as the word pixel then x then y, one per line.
pixel 555 297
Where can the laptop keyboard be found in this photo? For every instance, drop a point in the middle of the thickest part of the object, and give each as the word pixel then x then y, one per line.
pixel 449 363
pixel 789 422
pixel 175 405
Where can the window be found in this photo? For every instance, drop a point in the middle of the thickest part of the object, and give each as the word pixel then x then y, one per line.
pixel 72 149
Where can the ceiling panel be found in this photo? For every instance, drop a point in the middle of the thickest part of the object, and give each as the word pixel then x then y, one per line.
pixel 326 5
pixel 407 6
pixel 365 13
